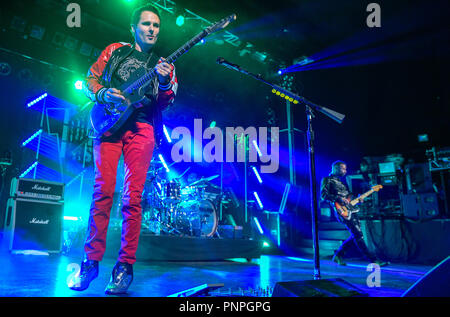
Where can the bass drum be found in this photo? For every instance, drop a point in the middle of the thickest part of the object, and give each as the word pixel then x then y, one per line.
pixel 196 218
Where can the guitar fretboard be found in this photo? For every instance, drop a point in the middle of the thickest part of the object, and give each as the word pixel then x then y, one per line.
pixel 147 78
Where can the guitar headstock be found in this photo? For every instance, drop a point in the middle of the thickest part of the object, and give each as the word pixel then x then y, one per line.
pixel 221 24
pixel 377 187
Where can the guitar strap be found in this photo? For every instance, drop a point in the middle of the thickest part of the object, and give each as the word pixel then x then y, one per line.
pixel 151 62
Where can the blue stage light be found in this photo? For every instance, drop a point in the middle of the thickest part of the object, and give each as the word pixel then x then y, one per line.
pixel 31 138
pixel 28 169
pixel 71 218
pixel 36 100
pixel 161 158
pixel 257 148
pixel 258 225
pixel 166 133
pixel 257 174
pixel 258 200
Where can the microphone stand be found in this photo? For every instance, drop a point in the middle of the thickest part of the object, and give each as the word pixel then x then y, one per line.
pixel 309 106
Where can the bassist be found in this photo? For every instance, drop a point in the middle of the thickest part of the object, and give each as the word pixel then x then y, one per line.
pixel 333 190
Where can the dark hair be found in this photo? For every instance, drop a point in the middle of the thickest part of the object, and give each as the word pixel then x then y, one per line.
pixel 136 16
pixel 337 163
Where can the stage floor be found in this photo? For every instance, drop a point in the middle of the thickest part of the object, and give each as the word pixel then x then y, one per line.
pixel 46 276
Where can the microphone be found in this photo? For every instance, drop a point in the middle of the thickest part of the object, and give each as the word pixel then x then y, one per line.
pixel 223 62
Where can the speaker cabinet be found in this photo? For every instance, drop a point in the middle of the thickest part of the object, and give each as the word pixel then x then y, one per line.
pixel 317 288
pixel 420 206
pixel 33 225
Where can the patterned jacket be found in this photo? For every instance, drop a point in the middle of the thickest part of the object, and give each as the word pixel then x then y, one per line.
pixel 99 76
pixel 332 189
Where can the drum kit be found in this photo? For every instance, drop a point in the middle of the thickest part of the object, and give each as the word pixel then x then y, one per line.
pixel 173 209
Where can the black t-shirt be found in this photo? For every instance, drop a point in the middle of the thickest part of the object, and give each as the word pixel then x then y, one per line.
pixel 126 68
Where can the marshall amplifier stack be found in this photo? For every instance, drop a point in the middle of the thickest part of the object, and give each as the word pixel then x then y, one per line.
pixel 34 215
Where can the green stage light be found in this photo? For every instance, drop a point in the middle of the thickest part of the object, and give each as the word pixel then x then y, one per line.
pixel 180 20
pixel 78 84
pixel 213 124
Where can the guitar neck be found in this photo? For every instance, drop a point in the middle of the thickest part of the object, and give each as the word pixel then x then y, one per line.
pixel 356 200
pixel 148 77
pixel 186 47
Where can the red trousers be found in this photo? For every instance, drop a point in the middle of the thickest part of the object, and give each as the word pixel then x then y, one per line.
pixel 137 146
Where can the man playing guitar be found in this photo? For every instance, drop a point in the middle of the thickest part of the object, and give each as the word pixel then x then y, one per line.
pixel 135 140
pixel 336 193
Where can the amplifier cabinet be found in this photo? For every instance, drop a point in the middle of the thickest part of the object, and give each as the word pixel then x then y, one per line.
pixel 420 206
pixel 33 225
pixel 36 189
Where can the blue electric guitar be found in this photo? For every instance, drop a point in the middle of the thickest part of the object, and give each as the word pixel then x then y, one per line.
pixel 106 119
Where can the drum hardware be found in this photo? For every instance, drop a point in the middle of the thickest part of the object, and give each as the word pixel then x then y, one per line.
pixel 173 210
pixel 204 180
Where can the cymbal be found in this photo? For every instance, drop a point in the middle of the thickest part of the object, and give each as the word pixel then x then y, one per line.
pixel 207 179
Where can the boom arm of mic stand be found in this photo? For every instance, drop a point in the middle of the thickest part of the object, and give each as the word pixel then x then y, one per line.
pixel 334 115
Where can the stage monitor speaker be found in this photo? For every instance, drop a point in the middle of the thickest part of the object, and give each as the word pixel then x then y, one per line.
pixel 433 284
pixel 317 288
pixel 33 225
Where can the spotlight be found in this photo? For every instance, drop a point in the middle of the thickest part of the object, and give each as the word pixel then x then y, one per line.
pixel 58 39
pixel 5 69
pixel 18 24
pixel 180 20
pixel 71 43
pixel 37 32
pixel 78 84
pixel 86 49
pixel 25 74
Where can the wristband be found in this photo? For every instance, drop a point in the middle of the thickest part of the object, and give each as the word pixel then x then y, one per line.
pixel 165 87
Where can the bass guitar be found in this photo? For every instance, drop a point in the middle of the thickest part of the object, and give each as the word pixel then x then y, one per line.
pixel 347 211
pixel 106 119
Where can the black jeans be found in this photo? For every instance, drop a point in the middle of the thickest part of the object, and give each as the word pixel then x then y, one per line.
pixel 354 226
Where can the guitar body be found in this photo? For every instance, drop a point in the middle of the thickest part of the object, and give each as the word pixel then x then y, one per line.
pixel 106 119
pixel 346 211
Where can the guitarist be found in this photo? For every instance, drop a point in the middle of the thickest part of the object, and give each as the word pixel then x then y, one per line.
pixel 136 141
pixel 334 189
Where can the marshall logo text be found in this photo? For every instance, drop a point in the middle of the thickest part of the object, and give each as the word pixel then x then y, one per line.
pixel 39 221
pixel 37 187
